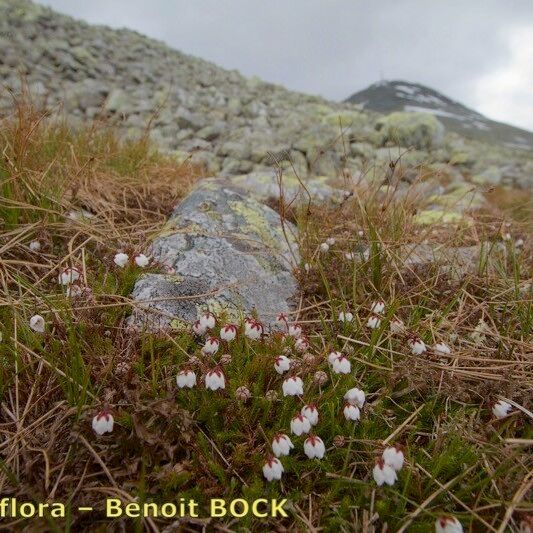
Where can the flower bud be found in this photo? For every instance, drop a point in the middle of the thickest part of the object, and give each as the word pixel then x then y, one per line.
pixel 243 394
pixel 320 377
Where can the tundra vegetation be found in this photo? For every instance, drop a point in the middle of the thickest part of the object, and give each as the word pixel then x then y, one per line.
pixel 441 349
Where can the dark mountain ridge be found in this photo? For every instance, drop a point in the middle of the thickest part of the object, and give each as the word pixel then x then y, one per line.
pixel 397 95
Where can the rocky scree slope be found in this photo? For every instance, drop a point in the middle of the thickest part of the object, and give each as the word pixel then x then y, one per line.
pixel 230 124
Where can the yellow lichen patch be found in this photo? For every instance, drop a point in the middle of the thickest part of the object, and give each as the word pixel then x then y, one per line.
pixel 346 119
pixel 171 229
pixel 176 278
pixel 222 308
pixel 262 178
pixel 257 224
pixel 443 217
pixel 210 185
pixel 179 325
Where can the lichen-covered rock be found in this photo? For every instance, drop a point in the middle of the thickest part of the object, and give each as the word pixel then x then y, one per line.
pixel 490 176
pixel 453 261
pixel 419 130
pixel 439 216
pixel 459 198
pixel 266 185
pixel 229 253
pixel 362 149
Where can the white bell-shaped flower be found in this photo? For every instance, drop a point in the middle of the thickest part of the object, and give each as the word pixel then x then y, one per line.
pixel 121 259
pixel 342 365
pixel 314 447
pixel 355 396
pixel 373 322
pixel 198 328
pixel 281 319
pixel 37 323
pixel 448 524
pixel 300 424
pixel 69 275
pixel 442 348
pixel 310 411
pixel 301 345
pixel 253 330
pixel 282 445
pixel 351 412
pixel 384 473
pixel 273 469
pixel 215 380
pixel 377 307
pixel 417 345
pixel 396 325
pixel 142 260
pixel 186 379
pixel 103 422
pixel 332 356
pixel 228 332
pixel 501 409
pixel 282 364
pixel 345 316
pixel 393 456
pixel 211 346
pixel 35 246
pixel 207 320
pixel 293 386
pixel 295 330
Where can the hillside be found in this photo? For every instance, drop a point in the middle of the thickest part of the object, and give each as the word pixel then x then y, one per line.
pixel 390 96
pixel 218 118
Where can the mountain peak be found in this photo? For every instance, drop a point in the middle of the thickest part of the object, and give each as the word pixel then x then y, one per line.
pixel 387 96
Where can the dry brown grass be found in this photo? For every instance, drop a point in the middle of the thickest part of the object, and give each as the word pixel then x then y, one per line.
pixel 451 295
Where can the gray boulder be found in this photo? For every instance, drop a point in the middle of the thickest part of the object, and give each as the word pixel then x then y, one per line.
pixel 119 101
pixel 229 254
pixel 265 186
pixel 418 130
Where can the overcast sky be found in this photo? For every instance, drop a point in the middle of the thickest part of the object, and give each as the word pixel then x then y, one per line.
pixel 479 52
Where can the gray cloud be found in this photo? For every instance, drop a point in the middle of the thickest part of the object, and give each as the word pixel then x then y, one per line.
pixel 336 47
